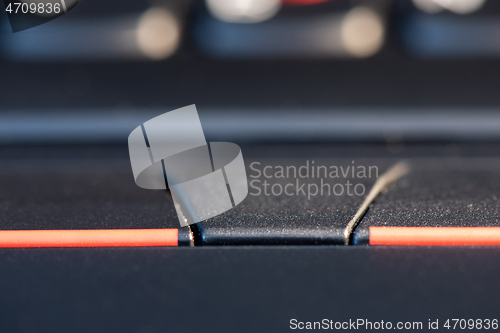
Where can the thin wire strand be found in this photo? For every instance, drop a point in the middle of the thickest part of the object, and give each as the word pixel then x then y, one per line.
pixel 390 176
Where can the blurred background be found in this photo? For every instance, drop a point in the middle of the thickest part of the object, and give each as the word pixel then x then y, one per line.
pixel 258 71
pixel 289 81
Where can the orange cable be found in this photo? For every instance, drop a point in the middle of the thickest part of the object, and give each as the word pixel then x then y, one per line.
pixel 88 238
pixel 435 236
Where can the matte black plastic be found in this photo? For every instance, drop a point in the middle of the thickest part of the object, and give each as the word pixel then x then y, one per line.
pixel 61 190
pixel 296 219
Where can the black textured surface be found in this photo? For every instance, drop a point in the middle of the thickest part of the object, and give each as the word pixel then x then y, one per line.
pixel 77 193
pixel 241 289
pixel 298 218
pixel 460 192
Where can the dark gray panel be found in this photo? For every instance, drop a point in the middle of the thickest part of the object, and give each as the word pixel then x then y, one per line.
pixel 241 289
pixel 69 193
pixel 297 218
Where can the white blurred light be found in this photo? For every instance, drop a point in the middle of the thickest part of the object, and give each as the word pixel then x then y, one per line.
pixel 362 32
pixel 428 6
pixel 243 11
pixel 461 6
pixel 456 6
pixel 158 33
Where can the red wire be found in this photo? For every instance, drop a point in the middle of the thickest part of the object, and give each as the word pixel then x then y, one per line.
pixel 88 238
pixel 435 236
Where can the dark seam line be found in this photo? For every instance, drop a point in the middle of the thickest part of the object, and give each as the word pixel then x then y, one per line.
pixel 193 229
pixel 197 233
